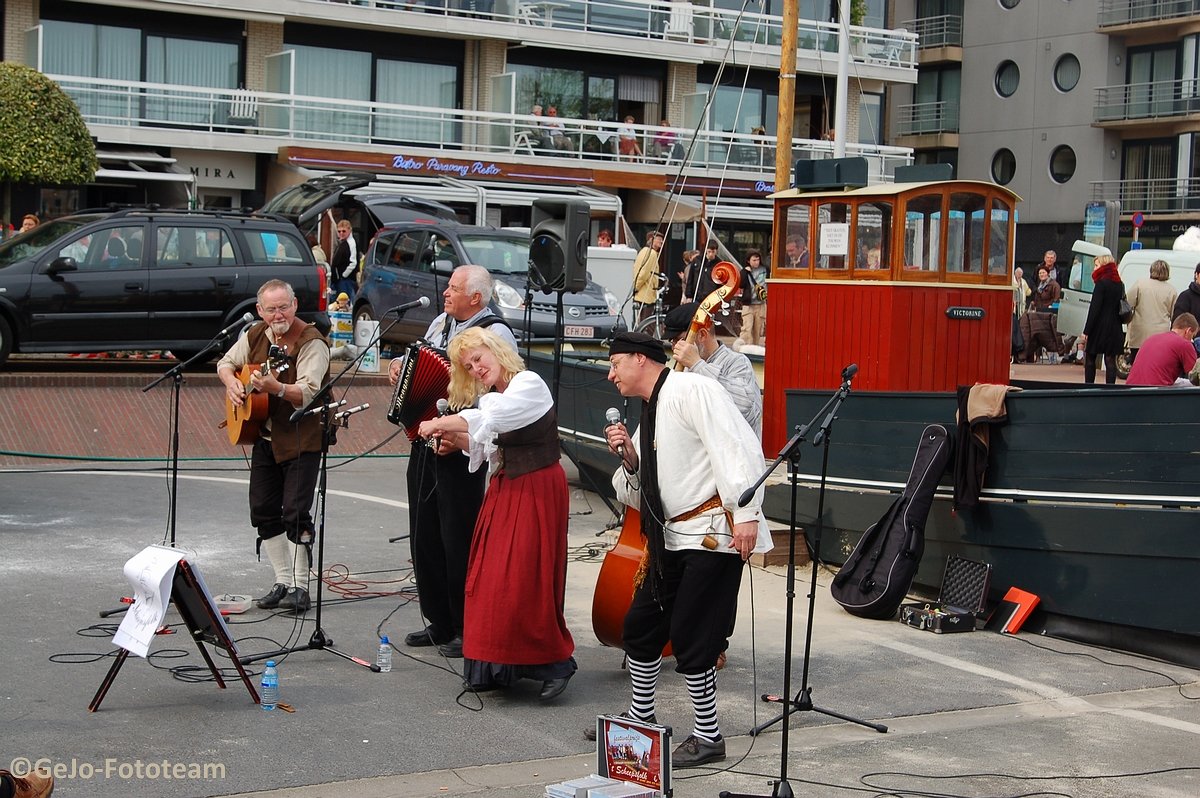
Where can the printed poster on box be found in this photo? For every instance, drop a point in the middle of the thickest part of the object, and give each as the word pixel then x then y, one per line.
pixel 634 751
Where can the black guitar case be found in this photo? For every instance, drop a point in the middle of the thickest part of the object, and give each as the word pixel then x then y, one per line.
pixel 878 573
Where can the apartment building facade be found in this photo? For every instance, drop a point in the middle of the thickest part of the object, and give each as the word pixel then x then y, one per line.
pixel 1065 102
pixel 222 103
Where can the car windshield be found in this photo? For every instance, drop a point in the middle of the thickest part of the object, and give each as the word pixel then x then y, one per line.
pixel 499 254
pixel 29 244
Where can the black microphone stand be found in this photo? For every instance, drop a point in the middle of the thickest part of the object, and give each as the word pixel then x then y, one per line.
pixel 320 404
pixel 802 702
pixel 175 373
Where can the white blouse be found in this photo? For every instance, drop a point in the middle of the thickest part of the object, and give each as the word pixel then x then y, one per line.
pixel 524 401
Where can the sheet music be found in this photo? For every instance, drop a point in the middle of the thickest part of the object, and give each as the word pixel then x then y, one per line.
pixel 150 573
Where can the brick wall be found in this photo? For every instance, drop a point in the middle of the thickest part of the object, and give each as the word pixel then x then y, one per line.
pixel 681 81
pixel 262 39
pixel 19 16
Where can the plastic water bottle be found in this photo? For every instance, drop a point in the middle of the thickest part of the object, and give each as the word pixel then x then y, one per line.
pixel 270 687
pixel 384 660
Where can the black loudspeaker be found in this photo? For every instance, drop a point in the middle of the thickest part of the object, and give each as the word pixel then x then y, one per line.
pixel 558 245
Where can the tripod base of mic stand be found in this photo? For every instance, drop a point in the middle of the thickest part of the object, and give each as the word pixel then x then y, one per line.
pixel 318 642
pixel 803 703
pixel 782 790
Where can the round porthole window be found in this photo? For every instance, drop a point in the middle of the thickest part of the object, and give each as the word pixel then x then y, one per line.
pixel 1066 72
pixel 1004 166
pixel 1008 77
pixel 1062 164
pixel 1010 3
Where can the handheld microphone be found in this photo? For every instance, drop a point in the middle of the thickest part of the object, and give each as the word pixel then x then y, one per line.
pixel 613 416
pixel 443 408
pixel 423 302
pixel 246 318
pixel 849 372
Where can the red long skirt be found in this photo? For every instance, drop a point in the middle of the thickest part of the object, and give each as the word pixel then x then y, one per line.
pixel 517 572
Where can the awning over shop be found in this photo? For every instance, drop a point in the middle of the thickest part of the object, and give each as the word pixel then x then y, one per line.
pixel 652 206
pixel 143 166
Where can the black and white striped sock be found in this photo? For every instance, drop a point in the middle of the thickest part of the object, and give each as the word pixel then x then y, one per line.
pixel 644 678
pixel 702 689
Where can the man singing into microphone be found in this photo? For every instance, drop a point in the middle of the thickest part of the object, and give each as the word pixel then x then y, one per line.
pixel 286 457
pixel 691 459
pixel 444 497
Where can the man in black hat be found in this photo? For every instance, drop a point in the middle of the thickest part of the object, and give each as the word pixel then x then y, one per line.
pixel 706 355
pixel 691 459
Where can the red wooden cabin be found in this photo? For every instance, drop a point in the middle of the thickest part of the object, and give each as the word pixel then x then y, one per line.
pixel 911 281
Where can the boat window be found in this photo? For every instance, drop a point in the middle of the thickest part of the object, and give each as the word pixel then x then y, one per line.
pixel 922 232
pixel 833 239
pixel 873 235
pixel 795 249
pixel 998 243
pixel 964 239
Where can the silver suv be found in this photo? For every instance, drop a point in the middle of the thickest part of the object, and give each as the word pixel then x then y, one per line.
pixel 410 260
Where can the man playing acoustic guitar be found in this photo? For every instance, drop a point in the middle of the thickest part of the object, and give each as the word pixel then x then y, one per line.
pixel 286 457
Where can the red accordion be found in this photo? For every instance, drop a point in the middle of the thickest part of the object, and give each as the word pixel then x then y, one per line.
pixel 423 380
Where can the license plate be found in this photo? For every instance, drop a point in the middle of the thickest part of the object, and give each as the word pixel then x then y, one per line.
pixel 578 331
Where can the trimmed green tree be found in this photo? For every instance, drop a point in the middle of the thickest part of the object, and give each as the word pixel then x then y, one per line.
pixel 43 138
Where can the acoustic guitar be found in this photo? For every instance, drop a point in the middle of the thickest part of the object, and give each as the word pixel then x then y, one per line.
pixel 243 423
pixel 614 586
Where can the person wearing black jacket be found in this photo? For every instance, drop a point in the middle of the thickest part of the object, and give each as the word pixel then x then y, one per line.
pixel 1188 300
pixel 1102 332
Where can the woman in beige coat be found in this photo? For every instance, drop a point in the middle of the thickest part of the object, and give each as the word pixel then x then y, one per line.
pixel 1152 300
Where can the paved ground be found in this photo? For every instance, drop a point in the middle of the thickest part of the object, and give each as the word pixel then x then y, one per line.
pixel 968 715
pixel 1019 709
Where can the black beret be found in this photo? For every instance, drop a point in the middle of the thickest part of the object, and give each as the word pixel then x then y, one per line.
pixel 679 319
pixel 636 343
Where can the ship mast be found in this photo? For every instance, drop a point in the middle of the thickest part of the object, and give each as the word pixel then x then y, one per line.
pixel 787 94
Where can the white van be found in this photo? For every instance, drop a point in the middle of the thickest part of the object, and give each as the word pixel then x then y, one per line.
pixel 1134 266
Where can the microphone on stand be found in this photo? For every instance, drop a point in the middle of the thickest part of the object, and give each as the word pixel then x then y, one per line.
pixel 423 302
pixel 849 372
pixel 340 418
pixel 246 318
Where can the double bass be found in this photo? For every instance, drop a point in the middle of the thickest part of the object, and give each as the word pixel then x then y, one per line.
pixel 614 586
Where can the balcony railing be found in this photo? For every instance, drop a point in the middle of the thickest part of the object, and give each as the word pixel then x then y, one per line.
pixel 459 134
pixel 922 118
pixel 1161 195
pixel 941 31
pixel 1164 98
pixel 663 20
pixel 1125 12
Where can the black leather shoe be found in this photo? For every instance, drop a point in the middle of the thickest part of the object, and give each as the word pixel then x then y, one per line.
pixel 273 597
pixel 451 649
pixel 422 638
pixel 553 688
pixel 590 732
pixel 694 752
pixel 296 600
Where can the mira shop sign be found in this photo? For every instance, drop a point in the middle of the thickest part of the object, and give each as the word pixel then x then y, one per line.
pixel 232 170
pixel 404 163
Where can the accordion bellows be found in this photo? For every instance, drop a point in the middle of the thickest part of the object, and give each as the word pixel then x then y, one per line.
pixel 423 380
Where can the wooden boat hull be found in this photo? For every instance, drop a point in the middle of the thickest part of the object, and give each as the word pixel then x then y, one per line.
pixel 1090 498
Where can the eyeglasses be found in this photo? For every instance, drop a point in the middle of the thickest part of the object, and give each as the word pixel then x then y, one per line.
pixel 277 309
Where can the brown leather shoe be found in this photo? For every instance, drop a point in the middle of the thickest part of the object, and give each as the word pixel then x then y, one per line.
pixel 694 752
pixel 36 785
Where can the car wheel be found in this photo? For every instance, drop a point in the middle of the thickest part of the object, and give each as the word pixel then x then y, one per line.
pixel 6 341
pixel 1123 365
pixel 364 313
